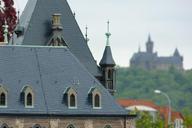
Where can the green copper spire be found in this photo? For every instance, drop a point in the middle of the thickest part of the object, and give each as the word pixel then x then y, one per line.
pixel 108 34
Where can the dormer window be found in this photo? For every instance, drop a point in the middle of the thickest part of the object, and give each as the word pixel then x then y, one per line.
pixel 71 96
pixel 95 97
pixel 3 97
pixel 27 96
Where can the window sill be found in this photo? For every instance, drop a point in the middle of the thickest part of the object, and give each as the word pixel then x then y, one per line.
pixel 97 107
pixel 72 107
pixel 29 106
pixel 3 106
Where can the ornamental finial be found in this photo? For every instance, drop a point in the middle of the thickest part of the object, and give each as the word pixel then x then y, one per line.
pixel 108 34
pixel 86 34
pixel 5 26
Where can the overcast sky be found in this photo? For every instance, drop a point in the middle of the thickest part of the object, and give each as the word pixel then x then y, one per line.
pixel 168 21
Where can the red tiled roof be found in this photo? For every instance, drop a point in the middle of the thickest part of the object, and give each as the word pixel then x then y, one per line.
pixel 162 110
pixel 128 102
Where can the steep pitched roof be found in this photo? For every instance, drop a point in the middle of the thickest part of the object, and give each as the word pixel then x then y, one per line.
pixel 49 71
pixel 107 58
pixel 36 21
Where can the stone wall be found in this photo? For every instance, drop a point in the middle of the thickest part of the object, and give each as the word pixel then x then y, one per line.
pixel 63 122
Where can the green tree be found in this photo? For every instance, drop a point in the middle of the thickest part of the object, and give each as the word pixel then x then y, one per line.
pixel 145 120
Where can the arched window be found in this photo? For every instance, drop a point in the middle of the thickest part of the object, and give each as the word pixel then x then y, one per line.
pixel 97 100
pixel 4 126
pixel 107 126
pixel 27 95
pixel 70 126
pixel 72 100
pixel 29 99
pixel 110 74
pixel 37 126
pixel 2 99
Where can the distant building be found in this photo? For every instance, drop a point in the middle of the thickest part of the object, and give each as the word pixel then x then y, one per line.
pixel 148 106
pixel 150 59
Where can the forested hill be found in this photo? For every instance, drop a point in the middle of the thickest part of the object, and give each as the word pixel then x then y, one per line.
pixel 140 84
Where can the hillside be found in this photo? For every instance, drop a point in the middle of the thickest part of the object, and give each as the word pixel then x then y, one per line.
pixel 140 84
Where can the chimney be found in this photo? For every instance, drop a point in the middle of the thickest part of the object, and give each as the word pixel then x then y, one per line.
pixel 56 22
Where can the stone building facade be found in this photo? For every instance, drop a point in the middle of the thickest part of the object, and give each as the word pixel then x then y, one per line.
pixel 67 122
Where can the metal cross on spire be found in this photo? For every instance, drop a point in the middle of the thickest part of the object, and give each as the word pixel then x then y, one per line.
pixel 108 34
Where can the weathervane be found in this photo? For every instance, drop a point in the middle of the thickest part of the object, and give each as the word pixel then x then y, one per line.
pixel 108 34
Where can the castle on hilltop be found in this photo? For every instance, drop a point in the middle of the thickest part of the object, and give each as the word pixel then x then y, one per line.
pixel 150 59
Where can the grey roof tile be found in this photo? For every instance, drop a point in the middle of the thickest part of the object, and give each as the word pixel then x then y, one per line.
pixel 36 20
pixel 49 71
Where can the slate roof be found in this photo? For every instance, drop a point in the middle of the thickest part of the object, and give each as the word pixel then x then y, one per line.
pixel 169 60
pixel 49 71
pixel 143 56
pixel 36 21
pixel 152 57
pixel 107 58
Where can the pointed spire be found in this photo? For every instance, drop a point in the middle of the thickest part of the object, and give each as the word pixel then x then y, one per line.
pixel 108 34
pixel 139 48
pixel 176 52
pixel 107 59
pixel 5 26
pixel 86 34
pixel 149 38
pixel 149 45
pixel 18 16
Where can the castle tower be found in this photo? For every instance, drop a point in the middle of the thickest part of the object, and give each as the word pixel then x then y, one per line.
pixel 149 45
pixel 107 64
pixel 176 53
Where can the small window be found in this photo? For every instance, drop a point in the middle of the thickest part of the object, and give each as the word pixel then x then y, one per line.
pixel 110 74
pixel 29 99
pixel 107 126
pixel 72 100
pixel 2 99
pixel 97 100
pixel 4 126
pixel 27 95
pixel 37 126
pixel 70 126
pixel 70 95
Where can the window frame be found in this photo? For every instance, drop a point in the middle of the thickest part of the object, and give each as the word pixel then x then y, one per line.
pixel 26 90
pixel 3 90
pixel 70 91
pixel 94 93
